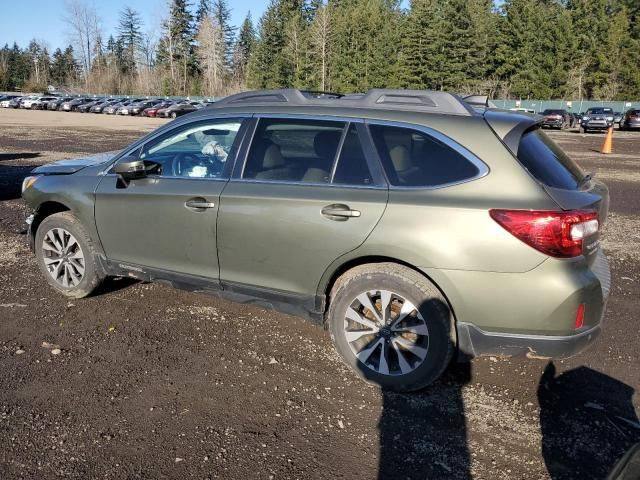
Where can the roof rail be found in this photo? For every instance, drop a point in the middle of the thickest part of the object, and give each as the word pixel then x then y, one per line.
pixel 379 98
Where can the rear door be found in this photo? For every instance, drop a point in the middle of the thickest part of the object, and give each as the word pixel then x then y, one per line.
pixel 167 221
pixel 307 193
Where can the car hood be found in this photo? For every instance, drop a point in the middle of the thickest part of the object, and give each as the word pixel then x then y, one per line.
pixel 67 167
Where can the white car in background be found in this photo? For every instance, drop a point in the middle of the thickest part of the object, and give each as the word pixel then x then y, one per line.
pixel 28 103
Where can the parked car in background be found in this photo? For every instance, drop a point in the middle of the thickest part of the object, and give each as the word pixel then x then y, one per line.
pixel 6 99
pixel 85 107
pixel 124 106
pixel 111 109
pixel 72 105
pixel 129 106
pixel 56 102
pixel 19 101
pixel 631 120
pixel 100 106
pixel 41 103
pixel 152 111
pixel 617 117
pixel 180 108
pixel 138 107
pixel 311 198
pixel 556 118
pixel 597 118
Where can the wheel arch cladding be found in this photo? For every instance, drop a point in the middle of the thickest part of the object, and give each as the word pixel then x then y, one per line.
pixel 44 210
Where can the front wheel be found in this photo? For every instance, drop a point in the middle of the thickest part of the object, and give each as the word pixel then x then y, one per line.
pixel 391 325
pixel 66 256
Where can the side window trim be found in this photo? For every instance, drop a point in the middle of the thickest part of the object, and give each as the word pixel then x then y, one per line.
pixel 336 157
pixel 483 168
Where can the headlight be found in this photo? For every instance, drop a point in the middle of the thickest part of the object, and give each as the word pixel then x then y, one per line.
pixel 29 181
pixel 584 119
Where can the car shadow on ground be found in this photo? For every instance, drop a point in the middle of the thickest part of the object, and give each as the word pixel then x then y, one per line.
pixel 18 156
pixel 11 176
pixel 113 284
pixel 423 434
pixel 587 420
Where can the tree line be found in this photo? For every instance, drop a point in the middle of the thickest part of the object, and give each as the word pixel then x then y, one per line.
pixel 512 49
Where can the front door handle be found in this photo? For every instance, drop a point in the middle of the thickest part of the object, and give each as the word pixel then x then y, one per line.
pixel 339 211
pixel 199 203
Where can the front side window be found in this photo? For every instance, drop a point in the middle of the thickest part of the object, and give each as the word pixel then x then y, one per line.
pixel 412 158
pixel 293 150
pixel 199 149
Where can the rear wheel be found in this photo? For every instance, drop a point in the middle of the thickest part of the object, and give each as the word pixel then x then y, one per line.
pixel 391 325
pixel 66 256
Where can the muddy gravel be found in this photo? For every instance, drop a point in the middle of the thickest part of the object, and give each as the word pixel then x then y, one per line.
pixel 143 381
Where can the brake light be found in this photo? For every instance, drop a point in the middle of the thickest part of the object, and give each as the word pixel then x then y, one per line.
pixel 555 233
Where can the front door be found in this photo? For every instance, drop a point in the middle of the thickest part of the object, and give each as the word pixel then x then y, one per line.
pixel 305 196
pixel 167 221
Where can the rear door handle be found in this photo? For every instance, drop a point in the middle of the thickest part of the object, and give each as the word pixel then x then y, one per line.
pixel 340 211
pixel 199 203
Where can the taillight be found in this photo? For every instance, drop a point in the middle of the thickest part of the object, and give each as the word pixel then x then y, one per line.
pixel 555 233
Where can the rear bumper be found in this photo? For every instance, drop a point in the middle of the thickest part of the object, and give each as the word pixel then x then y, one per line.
pixel 554 317
pixel 473 342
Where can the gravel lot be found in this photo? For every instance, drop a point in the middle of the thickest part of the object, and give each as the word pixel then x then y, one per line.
pixel 142 381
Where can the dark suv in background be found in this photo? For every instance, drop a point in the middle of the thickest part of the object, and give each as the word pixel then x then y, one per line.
pixel 597 118
pixel 409 223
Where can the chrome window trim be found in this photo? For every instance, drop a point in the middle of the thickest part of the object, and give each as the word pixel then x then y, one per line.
pixel 316 184
pixel 483 168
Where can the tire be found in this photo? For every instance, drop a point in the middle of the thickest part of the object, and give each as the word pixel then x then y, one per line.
pixel 60 225
pixel 174 115
pixel 428 312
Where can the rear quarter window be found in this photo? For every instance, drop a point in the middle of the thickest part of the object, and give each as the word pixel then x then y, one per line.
pixel 412 158
pixel 547 162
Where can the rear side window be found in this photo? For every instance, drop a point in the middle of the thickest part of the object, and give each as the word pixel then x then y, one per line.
pixel 414 159
pixel 547 162
pixel 296 150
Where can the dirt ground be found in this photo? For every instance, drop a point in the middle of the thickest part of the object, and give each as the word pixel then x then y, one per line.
pixel 158 383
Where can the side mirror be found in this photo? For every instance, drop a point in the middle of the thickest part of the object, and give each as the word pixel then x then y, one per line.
pixel 130 168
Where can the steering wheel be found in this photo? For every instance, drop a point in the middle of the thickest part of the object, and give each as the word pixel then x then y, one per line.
pixel 177 167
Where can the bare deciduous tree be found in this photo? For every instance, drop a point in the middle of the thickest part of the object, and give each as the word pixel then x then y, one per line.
pixel 84 28
pixel 211 51
pixel 321 41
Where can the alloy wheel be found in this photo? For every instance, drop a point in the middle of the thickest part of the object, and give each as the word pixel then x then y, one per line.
pixel 63 257
pixel 386 332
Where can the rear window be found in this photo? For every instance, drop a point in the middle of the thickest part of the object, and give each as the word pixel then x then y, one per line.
pixel 547 162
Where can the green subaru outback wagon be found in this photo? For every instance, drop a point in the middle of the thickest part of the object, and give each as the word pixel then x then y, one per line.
pixel 415 225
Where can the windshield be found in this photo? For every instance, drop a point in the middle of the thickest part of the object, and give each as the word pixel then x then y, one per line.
pixel 596 111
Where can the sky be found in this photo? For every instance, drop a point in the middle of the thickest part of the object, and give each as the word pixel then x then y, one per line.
pixel 23 20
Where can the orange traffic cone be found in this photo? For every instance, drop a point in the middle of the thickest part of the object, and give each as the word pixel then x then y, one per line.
pixel 608 142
